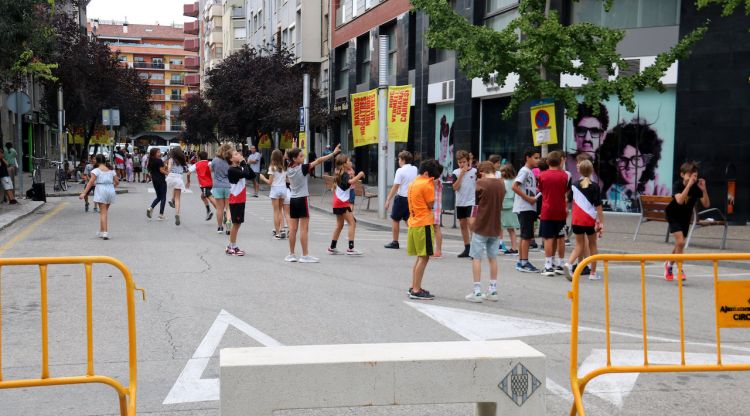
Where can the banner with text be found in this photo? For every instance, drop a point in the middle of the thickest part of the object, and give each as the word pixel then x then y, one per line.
pixel 365 118
pixel 399 106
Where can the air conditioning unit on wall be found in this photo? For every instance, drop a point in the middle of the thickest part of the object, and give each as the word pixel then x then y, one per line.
pixel 449 90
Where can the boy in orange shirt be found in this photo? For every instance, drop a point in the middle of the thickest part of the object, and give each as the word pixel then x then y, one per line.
pixel 421 232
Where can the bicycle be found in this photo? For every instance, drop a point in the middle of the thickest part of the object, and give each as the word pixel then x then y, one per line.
pixel 36 173
pixel 61 178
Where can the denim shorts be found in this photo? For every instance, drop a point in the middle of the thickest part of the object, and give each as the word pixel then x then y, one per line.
pixel 220 193
pixel 482 247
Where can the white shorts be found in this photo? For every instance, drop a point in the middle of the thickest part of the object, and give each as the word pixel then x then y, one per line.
pixel 278 192
pixel 7 183
pixel 174 180
pixel 288 196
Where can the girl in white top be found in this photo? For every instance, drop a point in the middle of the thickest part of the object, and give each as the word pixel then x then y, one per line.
pixel 177 166
pixel 105 180
pixel 277 179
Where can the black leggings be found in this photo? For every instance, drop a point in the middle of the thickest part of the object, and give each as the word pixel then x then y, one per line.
pixel 160 187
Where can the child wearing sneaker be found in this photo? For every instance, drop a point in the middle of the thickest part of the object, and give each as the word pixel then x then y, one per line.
pixel 298 205
pixel 487 229
pixel 106 181
pixel 686 191
pixel 554 184
pixel 508 219
pixel 524 206
pixel 464 184
pixel 238 173
pixel 587 220
pixel 202 169
pixel 342 207
pixel 421 232
pixel 278 193
pixel 404 176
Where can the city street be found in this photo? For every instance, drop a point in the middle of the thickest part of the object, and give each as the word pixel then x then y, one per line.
pixel 199 299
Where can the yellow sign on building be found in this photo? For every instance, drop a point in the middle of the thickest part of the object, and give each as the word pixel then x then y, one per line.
pixel 365 118
pixel 399 107
pixel 543 124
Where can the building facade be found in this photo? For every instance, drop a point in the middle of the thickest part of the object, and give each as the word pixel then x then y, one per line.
pixel 157 53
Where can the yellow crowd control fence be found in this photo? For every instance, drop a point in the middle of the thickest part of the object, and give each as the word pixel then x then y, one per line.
pixel 732 306
pixel 127 393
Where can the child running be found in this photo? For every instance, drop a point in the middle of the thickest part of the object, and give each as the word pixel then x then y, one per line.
pixel 221 185
pixel 106 180
pixel 277 180
pixel 686 191
pixel 299 210
pixel 490 192
pixel 177 166
pixel 421 231
pixel 238 173
pixel 587 221
pixel 507 217
pixel 341 205
pixel 554 184
pixel 524 206
pixel 464 183
pixel 202 169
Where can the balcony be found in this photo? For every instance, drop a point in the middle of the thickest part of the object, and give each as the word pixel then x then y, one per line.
pixel 176 97
pixel 157 97
pixel 191 28
pixel 153 81
pixel 148 65
pixel 216 38
pixel 190 94
pixel 190 9
pixel 192 62
pixel 192 80
pixel 192 45
pixel 176 81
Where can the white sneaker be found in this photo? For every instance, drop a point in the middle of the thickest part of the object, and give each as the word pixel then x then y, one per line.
pixel 595 276
pixel 291 258
pixel 492 296
pixel 353 252
pixel 475 297
pixel 309 259
pixel 334 251
pixel 105 236
pixel 98 234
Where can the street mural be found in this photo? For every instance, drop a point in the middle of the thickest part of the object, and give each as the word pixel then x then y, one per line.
pixel 444 137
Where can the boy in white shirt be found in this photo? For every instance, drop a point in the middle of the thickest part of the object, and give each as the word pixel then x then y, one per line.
pixel 524 206
pixel 405 175
pixel 465 186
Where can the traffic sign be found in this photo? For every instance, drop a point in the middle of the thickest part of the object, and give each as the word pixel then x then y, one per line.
pixel 25 102
pixel 302 119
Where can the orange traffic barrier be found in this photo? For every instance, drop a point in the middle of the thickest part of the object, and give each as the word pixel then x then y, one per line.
pixel 731 306
pixel 126 394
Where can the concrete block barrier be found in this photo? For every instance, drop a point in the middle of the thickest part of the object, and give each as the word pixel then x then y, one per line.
pixel 501 377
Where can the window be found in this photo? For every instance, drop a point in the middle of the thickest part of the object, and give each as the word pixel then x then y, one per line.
pixel 293 36
pixel 157 75
pixel 626 14
pixel 143 75
pixel 255 23
pixel 499 13
pixel 177 80
pixel 392 49
pixel 138 59
pixel 158 106
pixel 285 37
pixel 238 12
pixel 364 54
pixel 122 58
pixel 342 68
pixel 174 61
pixel 157 91
pixel 240 33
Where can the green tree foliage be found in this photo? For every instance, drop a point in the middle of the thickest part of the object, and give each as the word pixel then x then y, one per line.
pixel 92 80
pixel 200 120
pixel 259 90
pixel 727 6
pixel 545 49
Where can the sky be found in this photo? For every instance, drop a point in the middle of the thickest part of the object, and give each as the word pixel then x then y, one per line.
pixel 139 11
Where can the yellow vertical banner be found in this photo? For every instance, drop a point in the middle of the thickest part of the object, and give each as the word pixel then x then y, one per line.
pixel 365 118
pixel 543 124
pixel 264 142
pixel 303 143
pixel 286 140
pixel 399 106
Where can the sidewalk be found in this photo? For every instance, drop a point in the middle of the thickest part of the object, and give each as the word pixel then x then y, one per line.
pixel 74 188
pixel 618 237
pixel 12 213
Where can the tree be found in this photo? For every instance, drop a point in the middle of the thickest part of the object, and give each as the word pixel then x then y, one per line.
pixel 259 90
pixel 727 6
pixel 545 49
pixel 200 120
pixel 92 80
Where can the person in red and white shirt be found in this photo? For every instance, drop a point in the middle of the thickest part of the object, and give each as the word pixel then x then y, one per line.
pixel 342 206
pixel 203 170
pixel 587 219
pixel 237 175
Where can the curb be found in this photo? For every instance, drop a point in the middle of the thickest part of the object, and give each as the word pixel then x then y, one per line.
pixel 20 217
pixel 59 195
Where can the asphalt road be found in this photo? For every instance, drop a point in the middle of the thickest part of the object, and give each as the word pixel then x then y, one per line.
pixel 198 298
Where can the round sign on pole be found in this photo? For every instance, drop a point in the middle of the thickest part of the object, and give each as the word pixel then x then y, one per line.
pixel 542 119
pixel 13 100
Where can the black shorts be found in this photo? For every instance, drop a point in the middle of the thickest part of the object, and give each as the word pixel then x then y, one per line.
pixel 582 229
pixel 137 169
pixel 677 226
pixel 299 208
pixel 464 212
pixel 526 221
pixel 551 228
pixel 342 211
pixel 237 212
pixel 206 191
pixel 400 210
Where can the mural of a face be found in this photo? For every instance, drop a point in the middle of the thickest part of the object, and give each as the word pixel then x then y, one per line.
pixel 631 165
pixel 589 135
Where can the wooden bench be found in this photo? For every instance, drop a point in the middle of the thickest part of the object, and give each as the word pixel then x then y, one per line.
pixel 364 192
pixel 501 377
pixel 653 208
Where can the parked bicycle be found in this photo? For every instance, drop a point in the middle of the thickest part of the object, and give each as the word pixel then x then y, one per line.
pixel 61 177
pixel 36 173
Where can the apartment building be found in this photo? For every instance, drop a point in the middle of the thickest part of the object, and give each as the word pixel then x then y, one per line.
pixel 234 26
pixel 158 54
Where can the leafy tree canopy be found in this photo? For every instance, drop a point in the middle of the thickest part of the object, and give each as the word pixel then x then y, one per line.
pixel 727 6
pixel 545 49
pixel 200 120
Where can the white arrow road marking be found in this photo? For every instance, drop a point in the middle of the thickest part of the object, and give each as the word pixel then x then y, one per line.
pixel 186 191
pixel 190 387
pixel 615 387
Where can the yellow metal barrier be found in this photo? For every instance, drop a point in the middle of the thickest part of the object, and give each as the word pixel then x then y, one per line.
pixel 126 394
pixel 729 296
